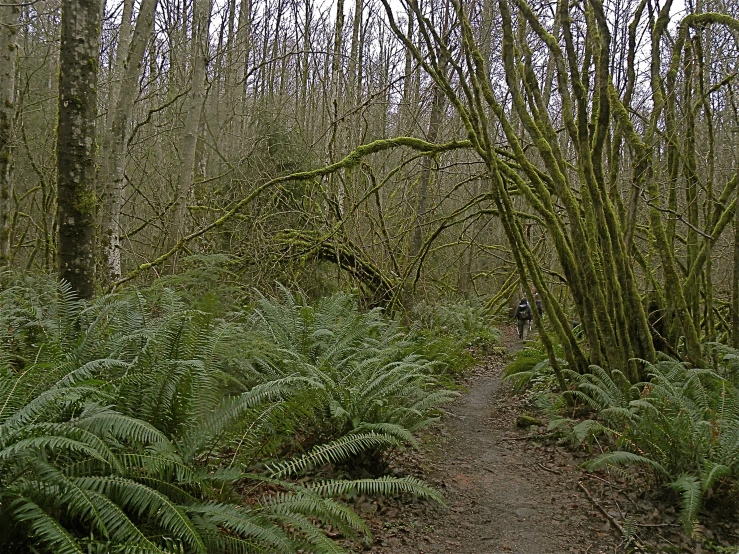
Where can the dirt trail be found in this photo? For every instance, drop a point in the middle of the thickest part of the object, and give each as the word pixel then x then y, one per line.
pixel 506 493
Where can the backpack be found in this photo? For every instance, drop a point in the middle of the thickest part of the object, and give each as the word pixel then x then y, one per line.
pixel 524 310
pixel 539 305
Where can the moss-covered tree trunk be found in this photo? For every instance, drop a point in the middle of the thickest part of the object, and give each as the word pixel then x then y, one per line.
pixel 9 13
pixel 564 165
pixel 78 74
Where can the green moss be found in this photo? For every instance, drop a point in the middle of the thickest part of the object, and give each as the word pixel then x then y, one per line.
pixel 524 421
pixel 86 200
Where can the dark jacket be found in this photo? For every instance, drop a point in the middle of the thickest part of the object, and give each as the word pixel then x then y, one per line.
pixel 523 311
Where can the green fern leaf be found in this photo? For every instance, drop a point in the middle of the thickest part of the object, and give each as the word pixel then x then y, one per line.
pixel 333 452
pixel 691 496
pixel 43 527
pixel 622 458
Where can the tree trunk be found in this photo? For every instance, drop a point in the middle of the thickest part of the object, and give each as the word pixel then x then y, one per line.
pixel 338 39
pixel 353 82
pixel 201 18
pixel 78 73
pixel 8 55
pixel 119 66
pixel 115 142
pixel 304 108
pixel 422 198
pixel 243 43
pixel 405 110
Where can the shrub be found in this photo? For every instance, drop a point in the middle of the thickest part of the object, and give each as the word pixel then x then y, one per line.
pixel 683 425
pixel 466 321
pixel 205 282
pixel 453 334
pixel 130 424
pixel 360 374
pixel 530 368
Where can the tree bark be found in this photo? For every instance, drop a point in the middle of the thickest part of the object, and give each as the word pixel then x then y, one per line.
pixel 115 141
pixel 422 198
pixel 9 14
pixel 78 73
pixel 201 18
pixel 119 65
pixel 244 44
pixel 408 102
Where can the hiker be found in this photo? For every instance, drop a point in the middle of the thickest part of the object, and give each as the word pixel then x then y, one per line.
pixel 539 305
pixel 523 314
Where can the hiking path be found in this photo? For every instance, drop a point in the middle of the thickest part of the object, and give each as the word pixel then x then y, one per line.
pixel 507 492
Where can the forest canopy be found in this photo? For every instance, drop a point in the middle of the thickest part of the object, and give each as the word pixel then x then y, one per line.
pixel 411 150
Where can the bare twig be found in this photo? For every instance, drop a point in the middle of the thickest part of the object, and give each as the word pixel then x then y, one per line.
pixel 615 524
pixel 545 468
pixel 353 159
pixel 657 524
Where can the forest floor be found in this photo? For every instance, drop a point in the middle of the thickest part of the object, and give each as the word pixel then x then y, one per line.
pixel 513 491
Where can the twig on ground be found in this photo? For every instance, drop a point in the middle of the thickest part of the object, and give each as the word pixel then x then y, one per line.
pixel 528 437
pixel 615 524
pixel 545 468
pixel 657 524
pixel 606 481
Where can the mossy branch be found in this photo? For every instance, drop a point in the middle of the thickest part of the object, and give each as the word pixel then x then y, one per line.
pixel 353 159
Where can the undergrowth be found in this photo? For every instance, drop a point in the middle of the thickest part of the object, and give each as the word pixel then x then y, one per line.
pixel 456 334
pixel 142 422
pixel 680 427
pixel 530 369
pixel 359 374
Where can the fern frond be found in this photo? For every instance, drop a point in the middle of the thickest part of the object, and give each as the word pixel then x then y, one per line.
pixel 53 444
pixel 622 458
pixel 333 452
pixel 104 421
pixel 43 527
pixel 382 486
pixel 712 472
pixel 400 433
pixel 308 504
pixel 246 524
pixel 232 409
pixel 310 537
pixel 691 495
pixel 118 527
pixel 146 501
pixel 586 429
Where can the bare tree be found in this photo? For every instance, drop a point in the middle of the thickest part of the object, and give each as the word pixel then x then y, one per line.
pixel 114 142
pixel 185 180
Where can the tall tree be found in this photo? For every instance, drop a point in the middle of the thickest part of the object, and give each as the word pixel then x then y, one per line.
pixel 201 21
pixel 119 115
pixel 78 74
pixel 9 12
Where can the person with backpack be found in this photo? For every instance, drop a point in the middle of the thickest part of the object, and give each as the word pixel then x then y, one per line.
pixel 539 305
pixel 523 315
